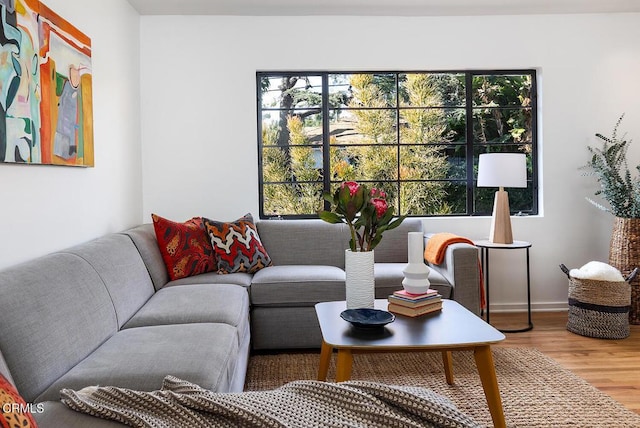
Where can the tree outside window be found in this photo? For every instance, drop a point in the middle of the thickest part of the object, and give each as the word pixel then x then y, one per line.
pixel 415 135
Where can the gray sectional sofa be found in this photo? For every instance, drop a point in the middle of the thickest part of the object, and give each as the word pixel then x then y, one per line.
pixel 105 312
pixel 309 268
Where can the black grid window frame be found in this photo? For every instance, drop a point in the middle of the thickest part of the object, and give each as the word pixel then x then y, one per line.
pixel 471 147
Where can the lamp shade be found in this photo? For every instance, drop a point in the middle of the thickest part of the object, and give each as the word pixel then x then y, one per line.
pixel 502 170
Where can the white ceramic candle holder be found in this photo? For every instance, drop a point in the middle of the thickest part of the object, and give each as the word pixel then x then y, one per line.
pixel 416 273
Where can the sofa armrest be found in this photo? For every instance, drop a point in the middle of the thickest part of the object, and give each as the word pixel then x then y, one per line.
pixel 461 268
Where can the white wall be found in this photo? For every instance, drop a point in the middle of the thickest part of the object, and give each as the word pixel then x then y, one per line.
pixel 199 113
pixel 47 208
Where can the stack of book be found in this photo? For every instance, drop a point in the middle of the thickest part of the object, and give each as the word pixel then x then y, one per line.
pixel 414 305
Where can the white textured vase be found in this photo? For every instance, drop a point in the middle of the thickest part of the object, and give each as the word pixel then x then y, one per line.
pixel 360 285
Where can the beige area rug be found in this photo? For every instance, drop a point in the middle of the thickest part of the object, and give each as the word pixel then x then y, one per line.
pixel 536 391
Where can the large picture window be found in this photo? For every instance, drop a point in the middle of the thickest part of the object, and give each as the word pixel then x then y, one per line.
pixel 415 135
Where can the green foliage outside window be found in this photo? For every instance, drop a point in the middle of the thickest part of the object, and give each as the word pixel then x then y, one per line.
pixel 404 133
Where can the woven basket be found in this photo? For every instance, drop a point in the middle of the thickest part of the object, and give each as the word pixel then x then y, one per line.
pixel 599 308
pixel 624 255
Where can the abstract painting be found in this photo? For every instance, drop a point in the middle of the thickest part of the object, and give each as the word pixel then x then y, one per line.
pixel 46 110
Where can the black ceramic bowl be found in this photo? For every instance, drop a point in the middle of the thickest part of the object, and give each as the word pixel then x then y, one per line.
pixel 367 318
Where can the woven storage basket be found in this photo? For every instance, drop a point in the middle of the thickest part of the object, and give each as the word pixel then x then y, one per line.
pixel 624 255
pixel 599 308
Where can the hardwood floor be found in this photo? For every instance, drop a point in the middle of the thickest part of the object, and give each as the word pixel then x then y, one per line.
pixel 613 366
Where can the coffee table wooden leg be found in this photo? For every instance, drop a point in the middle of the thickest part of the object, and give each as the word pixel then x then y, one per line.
pixel 343 365
pixel 487 372
pixel 448 366
pixel 325 359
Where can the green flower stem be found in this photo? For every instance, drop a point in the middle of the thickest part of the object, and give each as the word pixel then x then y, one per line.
pixel 352 242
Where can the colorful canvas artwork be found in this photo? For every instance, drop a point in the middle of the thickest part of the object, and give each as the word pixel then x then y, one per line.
pixel 46 111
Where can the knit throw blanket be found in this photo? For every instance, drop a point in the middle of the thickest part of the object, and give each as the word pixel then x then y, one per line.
pixel 437 246
pixel 297 404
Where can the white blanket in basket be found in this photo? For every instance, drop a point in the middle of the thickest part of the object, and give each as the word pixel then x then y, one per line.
pixel 597 271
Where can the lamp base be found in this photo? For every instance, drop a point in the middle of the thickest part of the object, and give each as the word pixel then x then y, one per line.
pixel 501 219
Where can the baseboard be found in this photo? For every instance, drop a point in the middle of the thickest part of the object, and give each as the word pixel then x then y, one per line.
pixel 535 307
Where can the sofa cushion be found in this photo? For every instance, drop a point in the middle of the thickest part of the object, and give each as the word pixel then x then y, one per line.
pixel 394 245
pixel 54 311
pixel 185 247
pixel 297 285
pixel 201 303
pixel 388 278
pixel 13 408
pixel 238 278
pixel 237 245
pixel 144 238
pixel 122 271
pixel 304 242
pixel 140 358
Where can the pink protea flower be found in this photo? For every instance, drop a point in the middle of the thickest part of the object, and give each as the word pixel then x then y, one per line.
pixel 352 185
pixel 380 205
pixel 377 193
pixel 365 211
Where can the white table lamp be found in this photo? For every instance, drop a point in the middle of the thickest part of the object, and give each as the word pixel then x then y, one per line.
pixel 502 170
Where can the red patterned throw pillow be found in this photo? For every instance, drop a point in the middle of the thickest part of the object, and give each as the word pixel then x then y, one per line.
pixel 185 247
pixel 237 245
pixel 14 411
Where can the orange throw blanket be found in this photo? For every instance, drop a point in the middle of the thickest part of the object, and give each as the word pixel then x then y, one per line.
pixel 437 247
